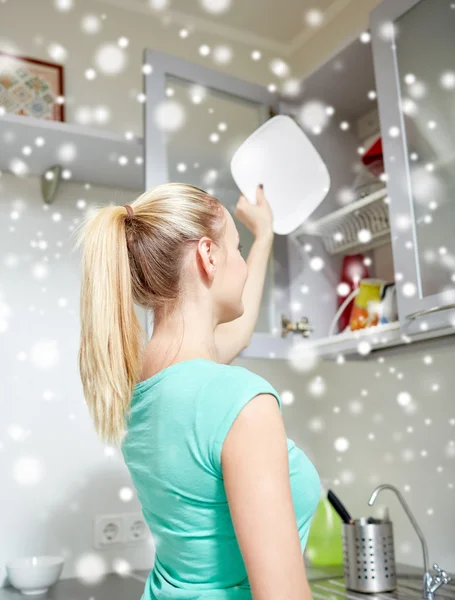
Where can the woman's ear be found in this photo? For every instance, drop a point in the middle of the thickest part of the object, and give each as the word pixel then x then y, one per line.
pixel 206 250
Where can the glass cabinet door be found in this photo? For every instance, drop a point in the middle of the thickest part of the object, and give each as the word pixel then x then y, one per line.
pixel 195 119
pixel 414 55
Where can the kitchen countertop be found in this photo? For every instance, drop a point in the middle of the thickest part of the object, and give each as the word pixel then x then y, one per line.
pixel 131 587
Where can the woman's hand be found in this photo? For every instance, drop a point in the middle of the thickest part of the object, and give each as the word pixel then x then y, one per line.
pixel 258 218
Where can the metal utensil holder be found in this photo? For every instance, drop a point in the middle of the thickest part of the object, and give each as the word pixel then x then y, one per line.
pixel 369 557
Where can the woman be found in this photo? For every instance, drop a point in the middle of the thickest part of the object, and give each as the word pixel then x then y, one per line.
pixel 228 498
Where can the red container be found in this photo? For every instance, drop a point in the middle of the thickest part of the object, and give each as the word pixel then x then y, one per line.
pixel 373 158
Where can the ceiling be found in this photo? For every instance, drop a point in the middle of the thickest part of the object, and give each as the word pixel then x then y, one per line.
pixel 280 25
pixel 277 20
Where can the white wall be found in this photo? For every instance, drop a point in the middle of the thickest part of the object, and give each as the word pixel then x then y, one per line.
pixel 55 473
pixel 413 448
pixel 45 25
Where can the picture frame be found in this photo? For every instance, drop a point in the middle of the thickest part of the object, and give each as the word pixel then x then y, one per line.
pixel 30 87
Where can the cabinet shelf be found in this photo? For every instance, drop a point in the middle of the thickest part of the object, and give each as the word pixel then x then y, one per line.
pixel 340 229
pixel 380 336
pixel 93 154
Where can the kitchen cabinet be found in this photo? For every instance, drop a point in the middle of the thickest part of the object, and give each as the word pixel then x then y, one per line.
pixel 195 119
pixel 359 95
pixel 411 239
pixel 338 109
pixel 411 77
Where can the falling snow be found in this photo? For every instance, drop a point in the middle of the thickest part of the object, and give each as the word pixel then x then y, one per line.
pixel 341 444
pixel 313 116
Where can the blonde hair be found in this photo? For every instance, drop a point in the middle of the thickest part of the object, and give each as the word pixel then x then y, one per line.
pixel 129 260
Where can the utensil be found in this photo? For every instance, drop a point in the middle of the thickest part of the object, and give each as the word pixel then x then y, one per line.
pixel 281 157
pixel 372 520
pixel 339 507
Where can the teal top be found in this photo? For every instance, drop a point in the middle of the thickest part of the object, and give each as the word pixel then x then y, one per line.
pixel 175 431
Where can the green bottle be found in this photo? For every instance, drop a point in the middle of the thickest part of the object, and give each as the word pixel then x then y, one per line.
pixel 325 544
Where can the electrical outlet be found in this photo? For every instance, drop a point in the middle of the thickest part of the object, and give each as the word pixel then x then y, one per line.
pixel 108 531
pixel 135 527
pixel 124 529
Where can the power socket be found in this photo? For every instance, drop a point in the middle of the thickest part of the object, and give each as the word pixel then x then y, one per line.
pixel 135 528
pixel 108 531
pixel 126 529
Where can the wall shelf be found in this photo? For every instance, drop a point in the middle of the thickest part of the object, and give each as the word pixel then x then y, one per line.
pixel 340 229
pixel 96 151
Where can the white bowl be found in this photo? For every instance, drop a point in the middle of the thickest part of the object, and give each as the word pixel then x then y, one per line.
pixel 281 157
pixel 35 574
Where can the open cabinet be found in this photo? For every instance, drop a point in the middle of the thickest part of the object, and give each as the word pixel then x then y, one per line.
pixel 195 119
pixel 394 226
pixel 402 228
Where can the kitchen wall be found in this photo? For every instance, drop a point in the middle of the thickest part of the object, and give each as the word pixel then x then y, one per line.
pixel 113 89
pixel 387 419
pixel 45 26
pixel 56 475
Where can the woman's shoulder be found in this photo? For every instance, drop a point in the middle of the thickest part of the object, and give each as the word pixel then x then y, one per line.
pixel 220 400
pixel 237 372
pixel 234 380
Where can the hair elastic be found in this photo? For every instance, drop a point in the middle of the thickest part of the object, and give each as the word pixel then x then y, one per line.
pixel 129 210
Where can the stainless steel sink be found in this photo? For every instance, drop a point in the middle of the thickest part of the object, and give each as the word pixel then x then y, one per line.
pixel 409 588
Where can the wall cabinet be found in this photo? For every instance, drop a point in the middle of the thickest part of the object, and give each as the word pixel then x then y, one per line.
pixel 398 84
pixel 411 241
pixel 195 118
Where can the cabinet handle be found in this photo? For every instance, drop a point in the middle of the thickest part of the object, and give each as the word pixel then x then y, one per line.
pixel 429 311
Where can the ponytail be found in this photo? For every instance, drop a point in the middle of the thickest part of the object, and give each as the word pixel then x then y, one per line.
pixel 133 257
pixel 111 335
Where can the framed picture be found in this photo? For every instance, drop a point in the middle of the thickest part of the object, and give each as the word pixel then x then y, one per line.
pixel 30 87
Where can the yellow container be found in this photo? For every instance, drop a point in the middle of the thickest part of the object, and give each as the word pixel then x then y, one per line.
pixel 366 309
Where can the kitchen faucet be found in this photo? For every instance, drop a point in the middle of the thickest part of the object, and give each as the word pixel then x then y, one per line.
pixel 430 583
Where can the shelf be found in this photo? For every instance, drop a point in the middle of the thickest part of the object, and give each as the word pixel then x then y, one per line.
pixel 342 343
pixel 339 230
pixel 381 337
pixel 97 151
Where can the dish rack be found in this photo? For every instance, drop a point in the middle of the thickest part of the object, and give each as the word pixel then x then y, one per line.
pixel 340 229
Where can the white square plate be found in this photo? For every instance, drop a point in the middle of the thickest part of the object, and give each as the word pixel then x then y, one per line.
pixel 281 157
